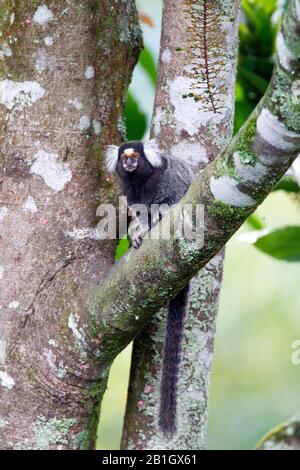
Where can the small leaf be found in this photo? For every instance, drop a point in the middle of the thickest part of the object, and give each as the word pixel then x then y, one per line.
pixel 288 184
pixel 147 62
pixel 136 121
pixel 255 222
pixel 122 248
pixel 282 243
pixel 257 82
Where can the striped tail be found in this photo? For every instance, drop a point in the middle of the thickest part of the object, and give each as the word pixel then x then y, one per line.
pixel 171 361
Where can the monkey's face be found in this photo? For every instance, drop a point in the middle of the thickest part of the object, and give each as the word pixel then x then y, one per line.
pixel 130 159
pixel 134 156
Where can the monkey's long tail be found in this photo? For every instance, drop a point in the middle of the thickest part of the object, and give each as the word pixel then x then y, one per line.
pixel 171 361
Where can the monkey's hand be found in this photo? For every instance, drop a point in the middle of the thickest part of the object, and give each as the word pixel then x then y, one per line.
pixel 137 236
pixel 137 230
pixel 136 242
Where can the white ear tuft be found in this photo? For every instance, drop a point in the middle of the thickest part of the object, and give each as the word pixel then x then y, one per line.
pixel 153 153
pixel 111 157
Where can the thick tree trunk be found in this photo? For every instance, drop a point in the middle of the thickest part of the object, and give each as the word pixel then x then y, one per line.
pixel 193 117
pixel 65 68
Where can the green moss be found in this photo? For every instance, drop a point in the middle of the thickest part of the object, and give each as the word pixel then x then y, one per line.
pixel 132 291
pixel 6 16
pixel 231 214
pixel 92 401
pixel 225 166
pixel 121 126
pixel 282 102
pixel 244 147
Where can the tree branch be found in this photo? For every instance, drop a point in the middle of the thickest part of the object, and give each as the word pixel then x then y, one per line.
pixel 286 436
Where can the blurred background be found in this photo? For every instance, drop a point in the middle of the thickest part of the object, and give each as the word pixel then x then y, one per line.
pixel 254 383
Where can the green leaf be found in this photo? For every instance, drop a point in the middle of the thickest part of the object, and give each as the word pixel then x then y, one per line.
pixel 147 62
pixel 122 248
pixel 136 121
pixel 257 82
pixel 282 243
pixel 287 184
pixel 243 110
pixel 255 222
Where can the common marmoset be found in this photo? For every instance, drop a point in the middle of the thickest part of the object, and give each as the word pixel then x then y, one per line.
pixel 148 177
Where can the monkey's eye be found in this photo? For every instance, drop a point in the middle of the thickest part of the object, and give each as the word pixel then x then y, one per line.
pixel 126 155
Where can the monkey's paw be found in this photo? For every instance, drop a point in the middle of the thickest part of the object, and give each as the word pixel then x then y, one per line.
pixel 136 243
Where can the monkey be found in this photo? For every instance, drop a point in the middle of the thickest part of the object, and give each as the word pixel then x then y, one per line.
pixel 148 176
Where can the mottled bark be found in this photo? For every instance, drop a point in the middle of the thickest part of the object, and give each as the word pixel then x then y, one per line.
pixel 230 188
pixel 192 121
pixel 64 69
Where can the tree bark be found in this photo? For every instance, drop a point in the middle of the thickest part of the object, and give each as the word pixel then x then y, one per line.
pixel 64 70
pixel 193 115
pixel 286 436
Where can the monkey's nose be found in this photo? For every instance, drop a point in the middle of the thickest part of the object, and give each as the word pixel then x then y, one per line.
pixel 130 165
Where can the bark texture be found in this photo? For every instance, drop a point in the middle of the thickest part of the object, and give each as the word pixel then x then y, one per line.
pixel 286 436
pixel 192 121
pixel 64 70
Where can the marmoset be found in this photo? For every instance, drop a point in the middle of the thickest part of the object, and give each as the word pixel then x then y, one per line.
pixel 147 176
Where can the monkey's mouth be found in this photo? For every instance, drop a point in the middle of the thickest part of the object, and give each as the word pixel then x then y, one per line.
pixel 130 169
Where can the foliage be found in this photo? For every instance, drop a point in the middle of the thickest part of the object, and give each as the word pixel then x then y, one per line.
pixel 136 120
pixel 281 243
pixel 257 43
pixel 258 31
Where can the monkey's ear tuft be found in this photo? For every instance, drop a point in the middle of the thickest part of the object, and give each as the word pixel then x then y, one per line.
pixel 153 153
pixel 111 157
